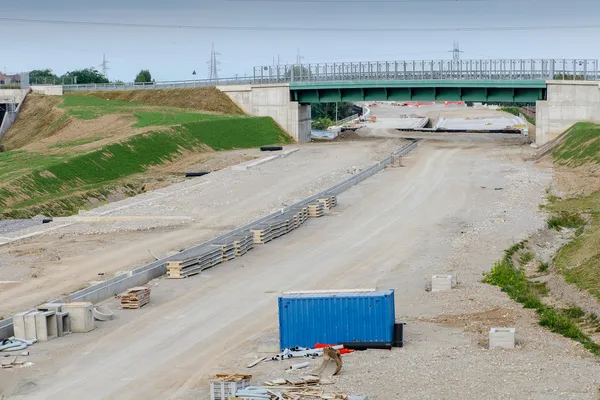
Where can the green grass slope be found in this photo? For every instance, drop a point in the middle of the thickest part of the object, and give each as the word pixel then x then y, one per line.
pixel 57 182
pixel 579 261
pixel 580 147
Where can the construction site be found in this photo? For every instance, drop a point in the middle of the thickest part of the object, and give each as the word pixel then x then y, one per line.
pixel 165 244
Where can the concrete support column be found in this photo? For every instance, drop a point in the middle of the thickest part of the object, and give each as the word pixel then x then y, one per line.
pixel 273 101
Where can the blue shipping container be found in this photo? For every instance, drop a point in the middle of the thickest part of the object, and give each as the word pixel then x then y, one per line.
pixel 336 317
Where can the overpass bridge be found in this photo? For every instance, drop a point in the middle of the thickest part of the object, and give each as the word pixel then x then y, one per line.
pixel 285 92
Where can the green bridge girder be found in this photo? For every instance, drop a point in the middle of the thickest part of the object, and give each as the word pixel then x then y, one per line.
pixel 510 91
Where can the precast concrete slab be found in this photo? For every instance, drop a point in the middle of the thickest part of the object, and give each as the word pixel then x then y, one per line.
pixel 478 124
pixel 408 123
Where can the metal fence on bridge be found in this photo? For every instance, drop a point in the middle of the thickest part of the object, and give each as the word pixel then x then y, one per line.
pixel 520 69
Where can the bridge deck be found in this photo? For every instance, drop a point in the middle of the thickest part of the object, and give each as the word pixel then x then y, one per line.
pixel 520 91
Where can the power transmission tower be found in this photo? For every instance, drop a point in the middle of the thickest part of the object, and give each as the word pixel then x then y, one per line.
pixel 104 65
pixel 213 65
pixel 456 52
pixel 299 58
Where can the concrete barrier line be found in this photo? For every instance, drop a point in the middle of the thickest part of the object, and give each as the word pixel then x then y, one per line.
pixel 146 273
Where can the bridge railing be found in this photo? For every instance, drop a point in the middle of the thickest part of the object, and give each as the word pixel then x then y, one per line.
pixel 518 69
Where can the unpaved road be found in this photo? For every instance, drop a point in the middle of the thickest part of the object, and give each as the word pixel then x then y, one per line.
pixel 168 220
pixel 440 213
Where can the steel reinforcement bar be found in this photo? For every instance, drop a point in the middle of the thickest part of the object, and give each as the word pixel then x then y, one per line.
pixel 146 273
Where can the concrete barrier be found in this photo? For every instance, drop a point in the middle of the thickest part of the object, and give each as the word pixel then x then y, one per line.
pixel 143 275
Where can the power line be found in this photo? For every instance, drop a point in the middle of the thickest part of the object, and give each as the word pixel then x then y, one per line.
pixel 304 28
pixel 400 1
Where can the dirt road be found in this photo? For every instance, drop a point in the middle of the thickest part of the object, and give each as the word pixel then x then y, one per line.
pixel 168 220
pixel 440 213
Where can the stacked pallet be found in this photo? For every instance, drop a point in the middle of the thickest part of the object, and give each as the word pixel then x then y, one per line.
pixel 279 227
pixel 209 257
pixel 135 298
pixel 316 210
pixel 243 243
pixel 228 249
pixel 302 213
pixel 262 233
pixel 328 201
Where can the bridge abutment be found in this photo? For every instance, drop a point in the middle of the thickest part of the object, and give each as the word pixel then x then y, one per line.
pixel 273 101
pixel 567 102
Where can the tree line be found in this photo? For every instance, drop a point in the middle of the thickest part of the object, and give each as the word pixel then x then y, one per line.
pixel 80 76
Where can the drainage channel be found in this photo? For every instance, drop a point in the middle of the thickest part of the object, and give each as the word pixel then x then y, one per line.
pixel 146 273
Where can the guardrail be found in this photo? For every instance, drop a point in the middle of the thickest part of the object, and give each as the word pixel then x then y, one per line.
pixel 142 275
pixel 500 69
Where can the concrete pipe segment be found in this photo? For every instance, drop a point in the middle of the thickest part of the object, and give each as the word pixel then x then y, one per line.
pixel 102 314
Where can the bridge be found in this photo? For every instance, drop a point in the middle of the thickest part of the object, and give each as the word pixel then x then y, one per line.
pixel 285 92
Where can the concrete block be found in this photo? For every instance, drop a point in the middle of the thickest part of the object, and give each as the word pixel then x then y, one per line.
pixel 440 283
pixel 56 307
pixel 46 326
pixel 502 337
pixel 63 323
pixel 30 328
pixel 19 325
pixel 82 317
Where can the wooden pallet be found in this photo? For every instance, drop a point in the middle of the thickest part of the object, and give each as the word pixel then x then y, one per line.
pixel 135 298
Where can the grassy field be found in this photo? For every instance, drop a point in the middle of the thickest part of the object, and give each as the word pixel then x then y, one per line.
pixel 56 181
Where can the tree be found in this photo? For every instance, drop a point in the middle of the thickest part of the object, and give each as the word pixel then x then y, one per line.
pixel 328 110
pixel 83 76
pixel 43 77
pixel 143 77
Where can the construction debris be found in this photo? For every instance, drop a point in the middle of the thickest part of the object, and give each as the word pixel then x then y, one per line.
pixel 332 363
pixel 135 298
pixel 226 386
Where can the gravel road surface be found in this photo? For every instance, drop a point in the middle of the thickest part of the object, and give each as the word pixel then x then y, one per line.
pixel 441 213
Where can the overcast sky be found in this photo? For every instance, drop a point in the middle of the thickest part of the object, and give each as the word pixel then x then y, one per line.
pixel 173 53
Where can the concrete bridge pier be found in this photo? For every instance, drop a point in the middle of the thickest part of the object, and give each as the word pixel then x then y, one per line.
pixel 273 101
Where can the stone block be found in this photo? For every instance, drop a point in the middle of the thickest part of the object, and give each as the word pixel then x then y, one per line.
pixel 19 325
pixel 502 337
pixel 56 307
pixel 64 323
pixel 440 283
pixel 30 328
pixel 46 326
pixel 82 317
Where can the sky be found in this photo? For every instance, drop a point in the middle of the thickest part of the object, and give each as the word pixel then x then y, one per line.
pixel 248 33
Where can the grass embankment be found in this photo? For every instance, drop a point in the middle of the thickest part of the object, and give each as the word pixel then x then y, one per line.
pixel 58 182
pixel 208 99
pixel 578 261
pixel 517 112
pixel 513 280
